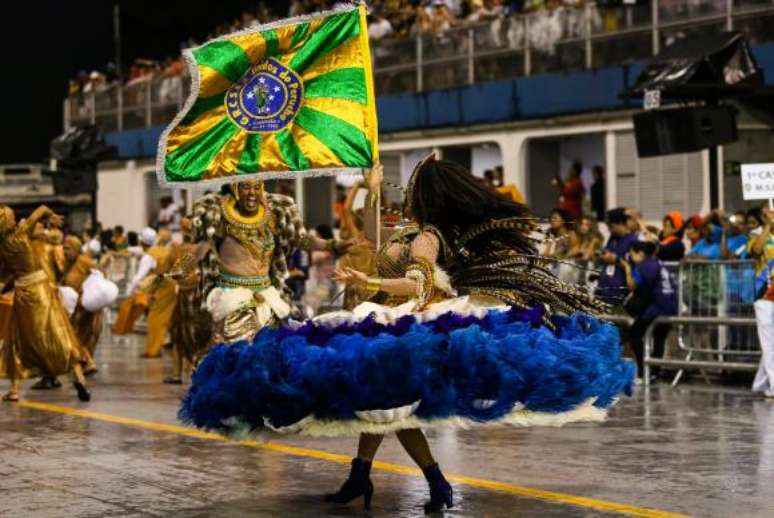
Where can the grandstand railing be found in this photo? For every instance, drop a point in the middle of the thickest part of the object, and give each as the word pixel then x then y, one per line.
pixel 563 40
pixel 715 328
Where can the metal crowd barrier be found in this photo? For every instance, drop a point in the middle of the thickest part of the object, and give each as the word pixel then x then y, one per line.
pixel 715 326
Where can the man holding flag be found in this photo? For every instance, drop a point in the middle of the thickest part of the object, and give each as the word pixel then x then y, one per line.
pixel 245 237
pixel 294 98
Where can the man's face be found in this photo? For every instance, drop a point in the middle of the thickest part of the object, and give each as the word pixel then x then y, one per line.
pixel 752 223
pixel 250 196
pixel 70 252
pixel 637 257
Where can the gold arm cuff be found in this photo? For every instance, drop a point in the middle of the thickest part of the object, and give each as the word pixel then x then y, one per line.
pixel 374 285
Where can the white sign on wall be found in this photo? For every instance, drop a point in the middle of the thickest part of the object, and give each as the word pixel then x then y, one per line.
pixel 758 181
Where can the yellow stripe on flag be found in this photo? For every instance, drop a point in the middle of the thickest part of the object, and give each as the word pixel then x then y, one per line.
pixel 253 45
pixel 348 111
pixel 315 151
pixel 226 161
pixel 212 82
pixel 347 55
pixel 271 157
pixel 184 134
pixel 371 124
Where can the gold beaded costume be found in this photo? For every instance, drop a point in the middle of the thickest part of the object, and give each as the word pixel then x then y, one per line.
pixel 41 341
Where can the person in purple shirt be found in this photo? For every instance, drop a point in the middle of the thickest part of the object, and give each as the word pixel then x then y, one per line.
pixel 611 287
pixel 654 293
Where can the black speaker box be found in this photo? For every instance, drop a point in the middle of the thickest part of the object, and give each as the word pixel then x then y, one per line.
pixel 684 130
pixel 70 182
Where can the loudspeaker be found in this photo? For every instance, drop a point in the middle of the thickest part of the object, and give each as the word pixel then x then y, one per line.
pixel 684 130
pixel 69 182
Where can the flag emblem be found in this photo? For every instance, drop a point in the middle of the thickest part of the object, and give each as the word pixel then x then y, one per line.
pixel 266 98
pixel 291 98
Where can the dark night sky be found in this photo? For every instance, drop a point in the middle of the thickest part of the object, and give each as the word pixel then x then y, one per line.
pixel 47 42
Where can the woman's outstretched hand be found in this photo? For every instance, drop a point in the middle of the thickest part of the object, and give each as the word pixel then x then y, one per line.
pixel 374 179
pixel 350 276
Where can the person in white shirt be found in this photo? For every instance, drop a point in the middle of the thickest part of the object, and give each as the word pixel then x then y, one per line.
pixel 379 27
pixel 147 262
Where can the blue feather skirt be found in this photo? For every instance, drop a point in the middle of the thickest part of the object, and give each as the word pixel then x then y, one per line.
pixel 358 372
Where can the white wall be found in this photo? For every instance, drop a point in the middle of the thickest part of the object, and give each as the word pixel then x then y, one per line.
pixel 121 196
pixel 483 157
pixel 588 149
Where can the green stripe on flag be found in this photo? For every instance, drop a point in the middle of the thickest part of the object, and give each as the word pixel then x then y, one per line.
pixel 190 161
pixel 347 142
pixel 291 153
pixel 224 56
pixel 202 106
pixel 251 156
pixel 333 32
pixel 299 34
pixel 344 83
pixel 272 43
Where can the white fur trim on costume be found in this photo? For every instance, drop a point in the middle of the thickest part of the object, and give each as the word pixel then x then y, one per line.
pixel 388 415
pixel 442 281
pixel 463 306
pixel 518 416
pixel 221 302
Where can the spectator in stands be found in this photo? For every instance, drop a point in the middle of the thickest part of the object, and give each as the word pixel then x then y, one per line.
pixel 670 244
pixel 636 225
pixel 612 280
pixel 588 240
pixel 571 191
pixel 693 229
pixel 708 247
pixel 561 235
pixel 654 294
pixel 378 27
pixel 754 221
pixel 439 19
pixel 733 241
pixel 761 248
pixel 598 193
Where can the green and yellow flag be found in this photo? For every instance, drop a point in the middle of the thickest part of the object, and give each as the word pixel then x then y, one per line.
pixel 290 98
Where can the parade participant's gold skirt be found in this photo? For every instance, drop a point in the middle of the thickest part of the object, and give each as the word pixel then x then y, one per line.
pixel 130 310
pixel 6 309
pixel 41 340
pixel 159 316
pixel 88 327
pixel 191 325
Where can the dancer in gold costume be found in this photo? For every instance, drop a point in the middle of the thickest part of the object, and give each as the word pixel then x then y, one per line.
pixel 163 296
pixel 191 325
pixel 87 324
pixel 41 340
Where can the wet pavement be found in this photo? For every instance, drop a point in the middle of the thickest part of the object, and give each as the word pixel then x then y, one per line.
pixel 694 450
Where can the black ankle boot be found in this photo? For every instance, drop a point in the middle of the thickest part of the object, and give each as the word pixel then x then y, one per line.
pixel 358 484
pixel 441 492
pixel 83 393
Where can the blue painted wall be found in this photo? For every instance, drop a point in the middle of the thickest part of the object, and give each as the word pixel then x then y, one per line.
pixel 543 95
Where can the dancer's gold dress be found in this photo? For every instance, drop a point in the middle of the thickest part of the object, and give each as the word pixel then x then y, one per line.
pixel 41 340
pixel 87 324
pixel 162 302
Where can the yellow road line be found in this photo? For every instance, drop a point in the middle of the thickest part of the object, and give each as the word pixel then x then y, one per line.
pixel 479 483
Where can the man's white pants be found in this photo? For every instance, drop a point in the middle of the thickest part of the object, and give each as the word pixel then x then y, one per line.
pixel 764 316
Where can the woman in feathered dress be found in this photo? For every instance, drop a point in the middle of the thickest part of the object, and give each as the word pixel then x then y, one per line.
pixel 466 326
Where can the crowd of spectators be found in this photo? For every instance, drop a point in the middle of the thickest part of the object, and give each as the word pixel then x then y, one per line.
pixel 551 20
